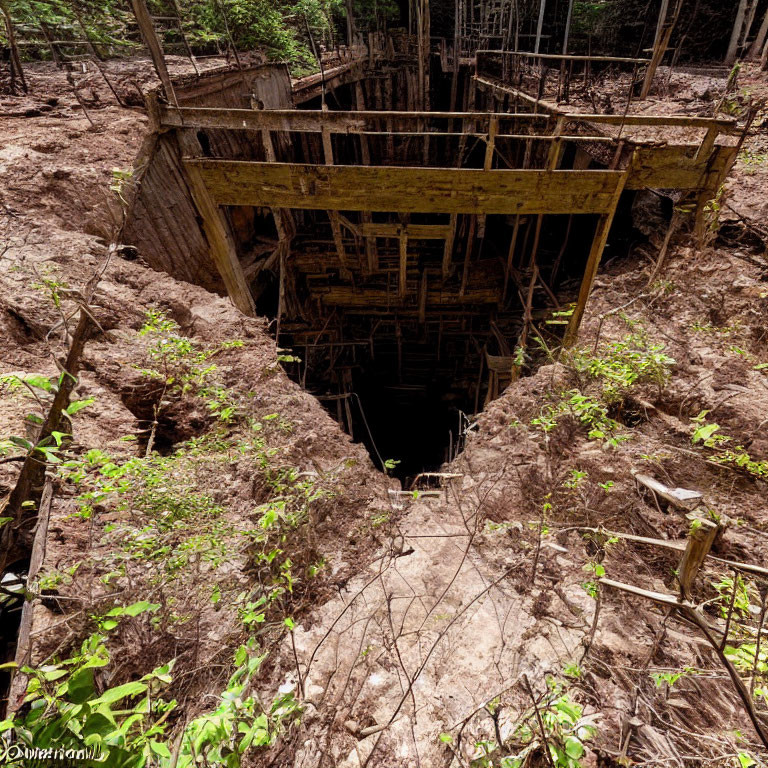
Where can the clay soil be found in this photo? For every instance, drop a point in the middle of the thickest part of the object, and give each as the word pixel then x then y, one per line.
pixel 432 617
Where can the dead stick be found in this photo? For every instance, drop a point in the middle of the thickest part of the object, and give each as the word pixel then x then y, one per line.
pixel 540 721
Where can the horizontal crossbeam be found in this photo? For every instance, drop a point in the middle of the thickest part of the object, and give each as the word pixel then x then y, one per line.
pixel 407 190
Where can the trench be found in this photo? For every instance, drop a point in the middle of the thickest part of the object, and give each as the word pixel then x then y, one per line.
pixel 405 320
pixel 405 375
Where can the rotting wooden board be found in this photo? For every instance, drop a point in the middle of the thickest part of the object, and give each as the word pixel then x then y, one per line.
pixel 676 167
pixel 413 231
pixel 308 120
pixel 346 296
pixel 407 190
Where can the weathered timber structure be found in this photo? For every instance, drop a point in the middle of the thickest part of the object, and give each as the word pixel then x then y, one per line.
pixel 409 250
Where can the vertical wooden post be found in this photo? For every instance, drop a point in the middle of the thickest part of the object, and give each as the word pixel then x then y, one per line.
pixel 455 73
pixel 402 286
pixel 423 287
pixel 423 52
pixel 700 540
pixel 542 9
pixel 593 262
pixel 493 129
pixel 448 247
pixel 334 215
pixel 217 231
pixel 152 42
pixel 283 218
pixel 371 255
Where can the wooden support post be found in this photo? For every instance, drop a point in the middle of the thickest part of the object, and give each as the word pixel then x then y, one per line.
pixel 702 536
pixel 371 256
pixel 283 218
pixel 334 215
pixel 511 256
pixel 217 231
pixel 423 298
pixel 339 242
pixel 467 255
pixel 152 42
pixel 593 262
pixel 705 149
pixel 448 247
pixel 403 273
pixel 556 145
pixel 490 147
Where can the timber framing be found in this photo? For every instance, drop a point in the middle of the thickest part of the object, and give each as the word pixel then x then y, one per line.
pixel 394 232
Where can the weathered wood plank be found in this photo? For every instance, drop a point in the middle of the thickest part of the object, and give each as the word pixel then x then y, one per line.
pixel 593 262
pixel 217 232
pixel 676 167
pixel 347 296
pixel 406 190
pixel 414 231
pixel 312 120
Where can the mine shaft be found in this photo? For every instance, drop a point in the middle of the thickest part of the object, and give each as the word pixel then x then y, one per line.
pixel 421 224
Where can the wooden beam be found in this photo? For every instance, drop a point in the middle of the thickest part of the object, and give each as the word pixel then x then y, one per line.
pixel 407 190
pixel 216 228
pixel 312 120
pixel 700 540
pixel 339 242
pixel 448 248
pixel 152 42
pixel 366 300
pixel 403 272
pixel 414 231
pixel 593 262
pixel 490 146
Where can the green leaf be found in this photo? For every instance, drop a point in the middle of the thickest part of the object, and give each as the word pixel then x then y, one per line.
pixel 108 624
pixel 78 405
pixel 80 687
pixel 573 747
pixel 39 382
pixel 120 692
pixel 160 749
pixel 141 607
pixel 704 433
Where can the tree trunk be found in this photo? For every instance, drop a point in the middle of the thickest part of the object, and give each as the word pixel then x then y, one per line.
pixel 733 45
pixel 351 29
pixel 15 62
pixel 757 45
pixel 664 29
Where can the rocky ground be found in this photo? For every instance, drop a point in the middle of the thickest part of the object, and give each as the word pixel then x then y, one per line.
pixel 438 631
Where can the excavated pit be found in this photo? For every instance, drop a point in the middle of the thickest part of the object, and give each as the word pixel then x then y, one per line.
pixel 412 262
